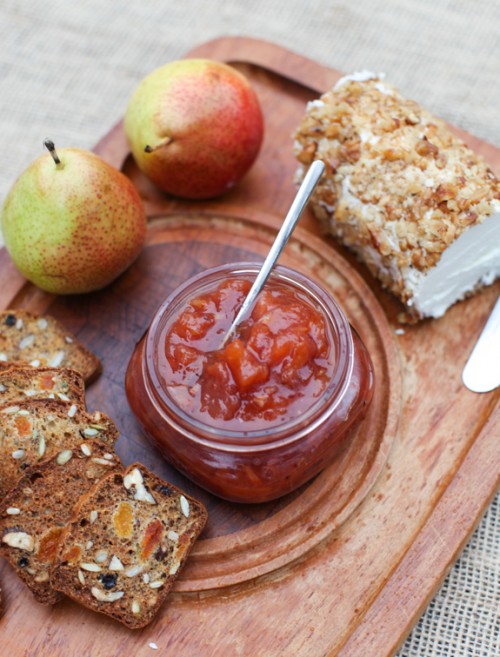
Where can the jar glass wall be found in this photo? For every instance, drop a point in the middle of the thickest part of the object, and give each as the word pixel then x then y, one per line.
pixel 252 456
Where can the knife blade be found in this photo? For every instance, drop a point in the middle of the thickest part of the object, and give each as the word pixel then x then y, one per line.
pixel 482 370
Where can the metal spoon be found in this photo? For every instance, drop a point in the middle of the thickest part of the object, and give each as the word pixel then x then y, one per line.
pixel 304 192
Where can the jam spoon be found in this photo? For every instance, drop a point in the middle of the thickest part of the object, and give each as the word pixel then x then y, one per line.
pixel 304 192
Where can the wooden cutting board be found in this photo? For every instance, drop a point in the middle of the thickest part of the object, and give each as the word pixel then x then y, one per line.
pixel 345 565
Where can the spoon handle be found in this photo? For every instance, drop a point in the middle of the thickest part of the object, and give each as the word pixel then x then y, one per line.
pixel 304 192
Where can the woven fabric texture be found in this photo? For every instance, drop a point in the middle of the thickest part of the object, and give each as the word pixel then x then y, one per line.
pixel 67 71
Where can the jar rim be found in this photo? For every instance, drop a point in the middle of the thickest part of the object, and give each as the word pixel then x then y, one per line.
pixel 291 430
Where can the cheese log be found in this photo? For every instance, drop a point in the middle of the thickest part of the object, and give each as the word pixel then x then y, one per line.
pixel 415 204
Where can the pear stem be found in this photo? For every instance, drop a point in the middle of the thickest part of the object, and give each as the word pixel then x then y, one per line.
pixel 165 142
pixel 49 145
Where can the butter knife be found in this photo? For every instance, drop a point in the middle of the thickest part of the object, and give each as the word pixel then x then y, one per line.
pixel 482 370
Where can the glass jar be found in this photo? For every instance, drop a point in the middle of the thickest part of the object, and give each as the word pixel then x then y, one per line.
pixel 248 461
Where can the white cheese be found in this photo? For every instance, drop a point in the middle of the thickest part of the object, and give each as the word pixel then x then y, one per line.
pixel 359 76
pixel 472 259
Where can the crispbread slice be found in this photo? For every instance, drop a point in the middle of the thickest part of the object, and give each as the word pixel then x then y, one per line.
pixel 34 514
pixel 32 431
pixel 29 340
pixel 147 528
pixel 20 384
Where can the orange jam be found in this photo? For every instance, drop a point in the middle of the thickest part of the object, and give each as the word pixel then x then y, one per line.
pixel 255 416
pixel 274 367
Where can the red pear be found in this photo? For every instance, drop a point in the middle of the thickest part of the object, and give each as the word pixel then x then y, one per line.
pixel 195 127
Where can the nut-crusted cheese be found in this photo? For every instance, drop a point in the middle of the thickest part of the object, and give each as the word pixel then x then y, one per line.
pixel 412 200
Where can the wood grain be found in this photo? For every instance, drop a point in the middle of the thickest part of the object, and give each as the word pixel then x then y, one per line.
pixel 346 565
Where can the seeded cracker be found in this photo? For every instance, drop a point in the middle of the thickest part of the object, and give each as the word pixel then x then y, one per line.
pixel 22 384
pixel 34 514
pixel 145 528
pixel 29 340
pixel 32 431
pixel 399 190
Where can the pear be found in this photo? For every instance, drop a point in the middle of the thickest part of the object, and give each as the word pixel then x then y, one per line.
pixel 195 127
pixel 71 222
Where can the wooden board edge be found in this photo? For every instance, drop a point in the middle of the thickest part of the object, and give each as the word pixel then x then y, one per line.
pixel 273 57
pixel 422 570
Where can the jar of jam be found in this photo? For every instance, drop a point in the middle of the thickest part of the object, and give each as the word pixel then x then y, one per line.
pixel 255 416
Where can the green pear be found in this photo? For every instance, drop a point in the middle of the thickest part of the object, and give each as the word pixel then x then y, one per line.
pixel 72 223
pixel 195 127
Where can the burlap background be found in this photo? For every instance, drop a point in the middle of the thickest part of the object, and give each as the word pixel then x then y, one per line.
pixel 67 70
